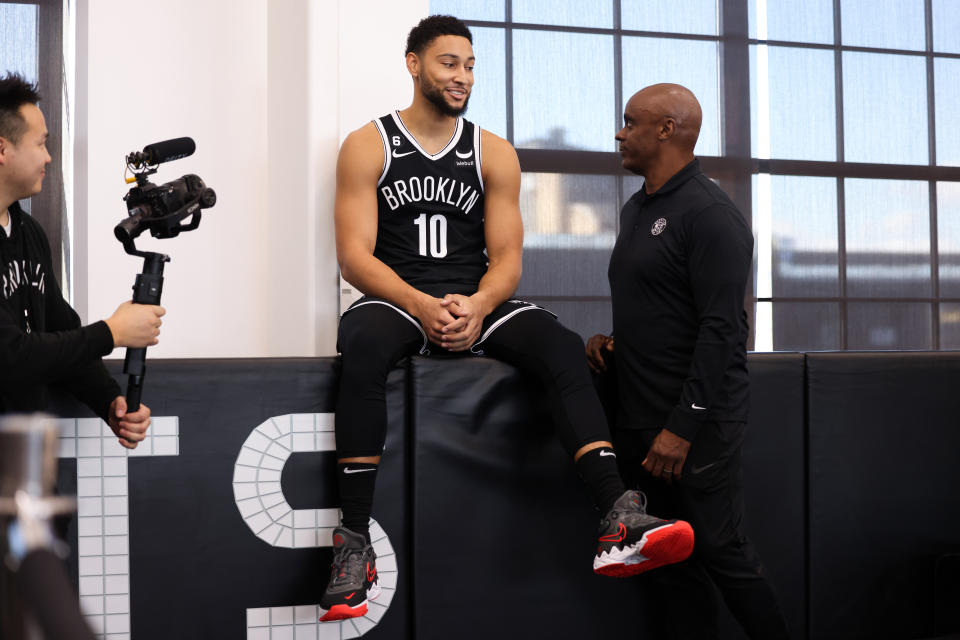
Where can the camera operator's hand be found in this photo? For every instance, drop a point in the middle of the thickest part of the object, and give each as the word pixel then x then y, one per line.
pixel 135 325
pixel 131 428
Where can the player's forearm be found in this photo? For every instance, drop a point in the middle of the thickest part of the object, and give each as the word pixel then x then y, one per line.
pixel 373 278
pixel 499 283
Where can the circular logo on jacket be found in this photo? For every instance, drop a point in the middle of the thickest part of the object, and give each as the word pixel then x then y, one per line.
pixel 658 227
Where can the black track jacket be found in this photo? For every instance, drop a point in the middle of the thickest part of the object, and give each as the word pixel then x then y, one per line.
pixel 41 340
pixel 678 275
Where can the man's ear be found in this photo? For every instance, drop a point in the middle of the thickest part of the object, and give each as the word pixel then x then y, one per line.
pixel 4 149
pixel 668 128
pixel 413 64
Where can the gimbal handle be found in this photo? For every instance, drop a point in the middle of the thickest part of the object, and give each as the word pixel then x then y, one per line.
pixel 146 290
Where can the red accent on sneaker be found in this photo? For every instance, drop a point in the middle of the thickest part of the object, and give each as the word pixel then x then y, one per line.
pixel 618 537
pixel 343 611
pixel 337 540
pixel 350 596
pixel 371 572
pixel 666 545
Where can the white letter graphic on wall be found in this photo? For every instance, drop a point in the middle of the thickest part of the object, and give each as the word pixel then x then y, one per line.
pixel 103 521
pixel 259 497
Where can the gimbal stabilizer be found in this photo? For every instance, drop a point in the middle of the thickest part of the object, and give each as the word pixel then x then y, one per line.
pixel 161 210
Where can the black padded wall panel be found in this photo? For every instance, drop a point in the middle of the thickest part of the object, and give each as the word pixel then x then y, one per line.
pixel 503 532
pixel 774 481
pixel 884 465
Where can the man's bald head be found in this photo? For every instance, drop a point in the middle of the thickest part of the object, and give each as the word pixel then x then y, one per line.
pixel 675 102
pixel 660 128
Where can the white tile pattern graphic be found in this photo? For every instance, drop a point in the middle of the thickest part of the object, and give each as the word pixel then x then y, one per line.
pixel 103 514
pixel 259 497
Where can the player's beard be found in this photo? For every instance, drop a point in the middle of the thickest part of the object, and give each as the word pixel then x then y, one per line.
pixel 435 96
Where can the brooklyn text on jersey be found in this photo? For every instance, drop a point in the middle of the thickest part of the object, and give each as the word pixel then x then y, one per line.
pixel 430 189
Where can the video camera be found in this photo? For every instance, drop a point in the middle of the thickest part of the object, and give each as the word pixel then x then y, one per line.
pixel 160 209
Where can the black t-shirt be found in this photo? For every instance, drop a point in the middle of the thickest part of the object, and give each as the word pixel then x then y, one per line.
pixel 678 276
pixel 430 209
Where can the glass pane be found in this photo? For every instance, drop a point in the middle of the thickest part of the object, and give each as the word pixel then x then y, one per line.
pixel 572 109
pixel 946 26
pixel 470 9
pixel 888 326
pixel 948 237
pixel 890 24
pixel 570 13
pixel 888 238
pixel 796 219
pixel 806 326
pixel 18 39
pixel 672 16
pixel 879 90
pixel 809 21
pixel 950 326
pixel 488 100
pixel 586 318
pixel 691 63
pixel 778 110
pixel 569 226
pixel 946 85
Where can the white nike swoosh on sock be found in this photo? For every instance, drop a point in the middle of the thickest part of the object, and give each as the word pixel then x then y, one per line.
pixel 349 470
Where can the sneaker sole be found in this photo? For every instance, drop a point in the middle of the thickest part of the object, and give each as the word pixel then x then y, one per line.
pixel 345 611
pixel 664 545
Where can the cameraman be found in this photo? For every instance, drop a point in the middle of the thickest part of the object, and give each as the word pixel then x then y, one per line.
pixel 41 340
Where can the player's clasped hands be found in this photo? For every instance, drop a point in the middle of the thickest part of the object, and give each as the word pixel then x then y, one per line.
pixel 464 330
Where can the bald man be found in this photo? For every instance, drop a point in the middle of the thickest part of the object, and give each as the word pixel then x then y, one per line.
pixel 678 275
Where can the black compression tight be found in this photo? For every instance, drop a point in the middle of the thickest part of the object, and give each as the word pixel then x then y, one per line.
pixel 374 337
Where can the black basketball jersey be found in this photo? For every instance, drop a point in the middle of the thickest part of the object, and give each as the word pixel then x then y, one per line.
pixel 430 209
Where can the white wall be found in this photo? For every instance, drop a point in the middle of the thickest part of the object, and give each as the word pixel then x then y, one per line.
pixel 268 89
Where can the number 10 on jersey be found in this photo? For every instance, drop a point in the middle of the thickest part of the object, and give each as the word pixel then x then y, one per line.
pixel 433 234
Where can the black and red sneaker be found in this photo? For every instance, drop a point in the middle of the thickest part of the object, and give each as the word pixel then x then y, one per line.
pixel 632 542
pixel 353 577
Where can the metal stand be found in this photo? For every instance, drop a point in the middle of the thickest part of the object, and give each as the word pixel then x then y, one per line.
pixel 146 290
pixel 36 600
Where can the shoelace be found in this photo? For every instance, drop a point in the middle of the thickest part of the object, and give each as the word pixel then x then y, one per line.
pixel 642 497
pixel 346 561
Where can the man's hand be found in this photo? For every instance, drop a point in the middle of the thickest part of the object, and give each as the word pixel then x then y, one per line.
pixel 433 316
pixel 464 330
pixel 131 428
pixel 135 325
pixel 596 346
pixel 666 456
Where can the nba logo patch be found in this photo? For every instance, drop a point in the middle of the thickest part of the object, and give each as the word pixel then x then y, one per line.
pixel 658 227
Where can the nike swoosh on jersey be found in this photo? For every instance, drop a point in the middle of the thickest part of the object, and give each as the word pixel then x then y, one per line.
pixel 608 453
pixel 697 470
pixel 464 156
pixel 400 155
pixel 694 406
pixel 349 470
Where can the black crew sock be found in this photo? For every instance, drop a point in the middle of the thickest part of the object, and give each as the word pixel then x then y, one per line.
pixel 357 481
pixel 598 468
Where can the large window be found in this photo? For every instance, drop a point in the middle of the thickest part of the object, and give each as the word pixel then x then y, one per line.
pixel 31 44
pixel 833 124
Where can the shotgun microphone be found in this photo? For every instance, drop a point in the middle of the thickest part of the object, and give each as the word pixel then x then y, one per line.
pixel 159 152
